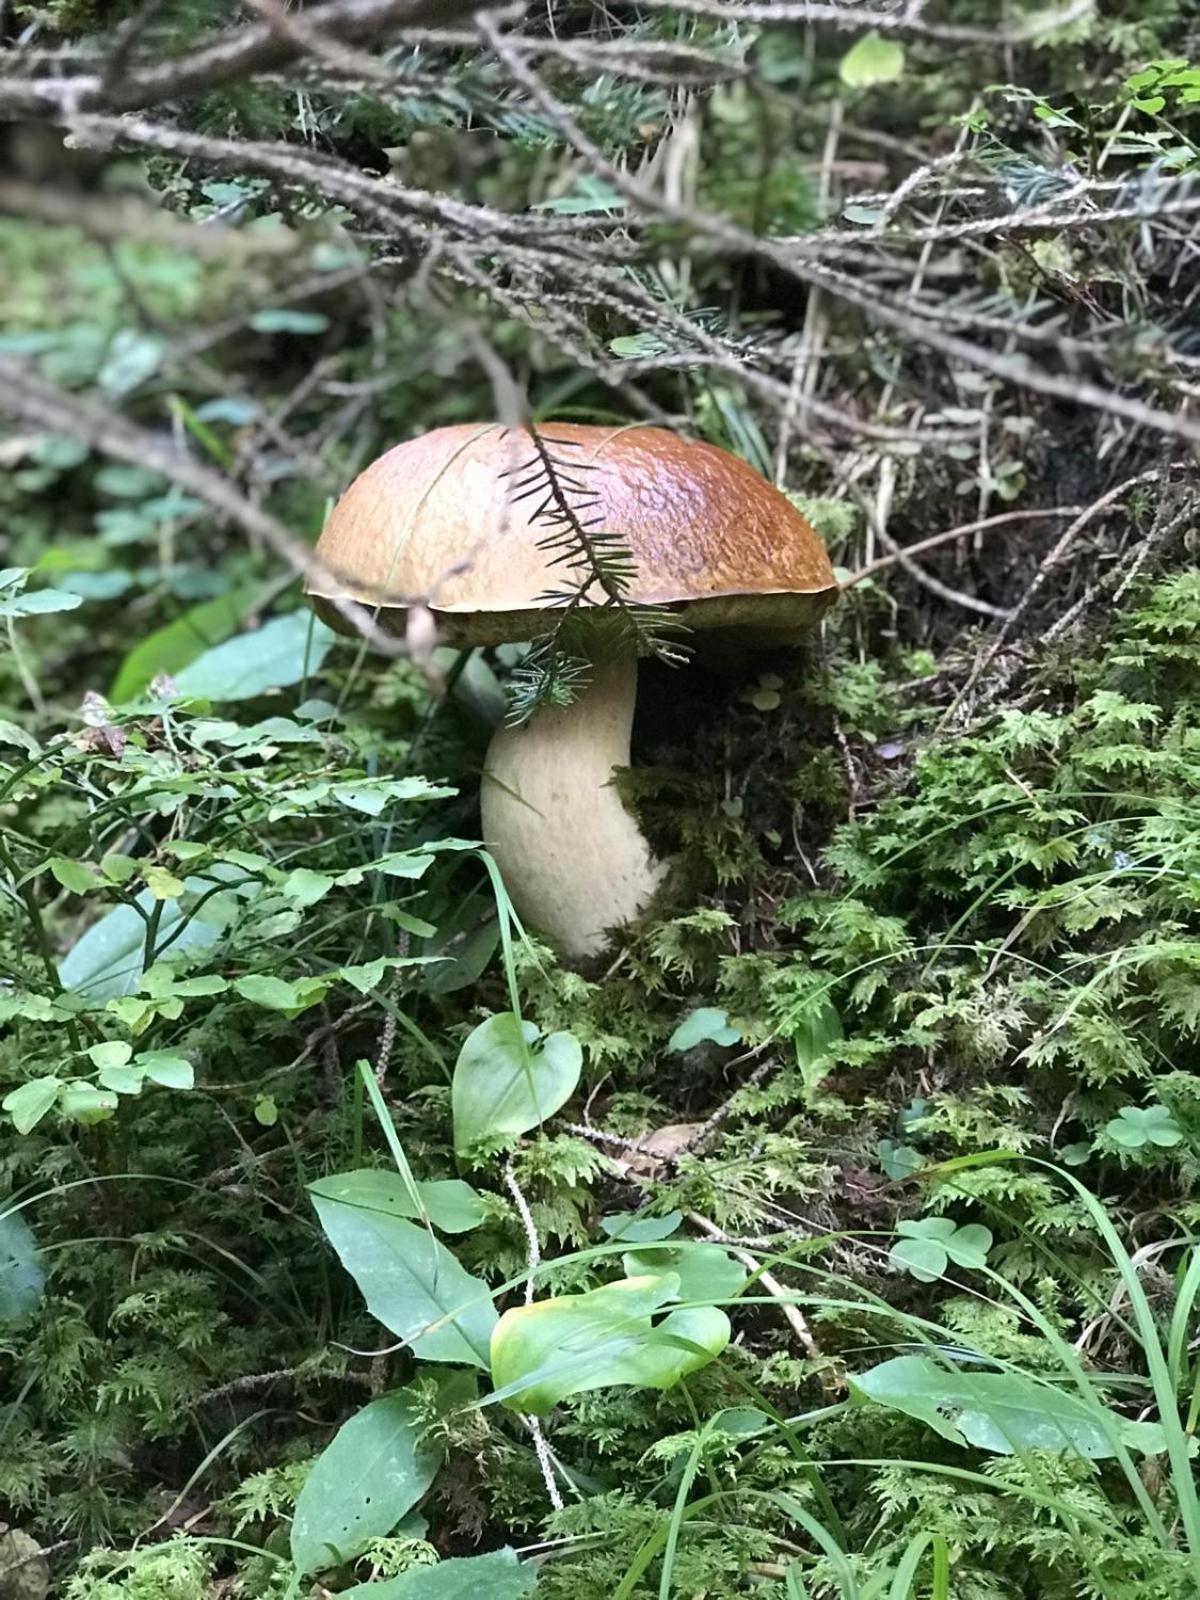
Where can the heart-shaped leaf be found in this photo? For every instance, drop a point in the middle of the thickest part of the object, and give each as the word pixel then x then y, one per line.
pixel 705 1025
pixel 705 1271
pixel 923 1259
pixel 543 1352
pixel 1134 1127
pixel 927 1246
pixel 506 1083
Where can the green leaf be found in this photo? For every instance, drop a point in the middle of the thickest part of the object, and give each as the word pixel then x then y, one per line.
pixel 466 939
pixel 503 1086
pixel 35 1007
pixel 898 1161
pixel 10 733
pixel 865 216
pixel 741 1422
pixel 543 1352
pixel 815 1026
pixel 286 319
pixel 168 650
pixel 363 1482
pixel 38 603
pixel 371 796
pixel 121 1080
pixel 304 887
pixel 411 1282
pixel 705 1271
pixel 871 60
pixel 705 1025
pixel 589 193
pixel 1134 1127
pixel 280 653
pixel 968 1246
pixel 278 994
pixel 1001 1412
pixel 85 1104
pixel 629 1227
pixel 496 1576
pixel 450 1204
pixel 76 876
pixel 167 1068
pixel 923 1259
pixel 161 981
pixel 402 864
pixel 162 883
pixel 106 962
pixel 30 1103
pixel 118 868
pixel 21 1275
pixel 133 356
pixel 110 1053
pixel 364 975
pixel 367 975
pixel 927 1246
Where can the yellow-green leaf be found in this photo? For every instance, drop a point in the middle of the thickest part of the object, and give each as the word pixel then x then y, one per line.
pixel 162 883
pixel 870 61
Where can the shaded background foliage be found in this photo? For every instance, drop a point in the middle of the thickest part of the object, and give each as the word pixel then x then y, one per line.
pixel 931 270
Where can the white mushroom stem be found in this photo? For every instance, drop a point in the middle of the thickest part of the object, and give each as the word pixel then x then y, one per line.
pixel 572 857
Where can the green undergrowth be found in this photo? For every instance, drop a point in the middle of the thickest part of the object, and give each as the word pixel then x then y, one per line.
pixel 949 1039
pixel 855 1191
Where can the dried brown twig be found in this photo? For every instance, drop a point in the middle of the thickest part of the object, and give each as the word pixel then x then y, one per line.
pixel 859 18
pixel 30 399
pixel 719 233
pixel 900 289
pixel 233 56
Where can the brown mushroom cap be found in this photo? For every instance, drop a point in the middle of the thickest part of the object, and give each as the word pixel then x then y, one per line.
pixel 439 520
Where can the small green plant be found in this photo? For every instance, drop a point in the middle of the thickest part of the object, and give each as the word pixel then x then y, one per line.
pixel 926 1248
pixel 1135 1128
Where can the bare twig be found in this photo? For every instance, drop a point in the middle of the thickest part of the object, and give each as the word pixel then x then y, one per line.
pixel 726 236
pixel 233 56
pixel 31 399
pixel 860 19
pixel 533 1257
pixel 794 1317
pixel 983 524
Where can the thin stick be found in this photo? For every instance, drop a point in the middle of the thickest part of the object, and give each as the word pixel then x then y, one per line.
pixel 792 1313
pixel 1002 519
pixel 31 399
pixel 533 1258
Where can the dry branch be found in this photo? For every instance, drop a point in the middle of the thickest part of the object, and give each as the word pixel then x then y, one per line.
pixel 31 400
pixel 230 57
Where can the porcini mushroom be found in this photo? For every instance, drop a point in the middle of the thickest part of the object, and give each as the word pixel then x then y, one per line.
pixel 441 520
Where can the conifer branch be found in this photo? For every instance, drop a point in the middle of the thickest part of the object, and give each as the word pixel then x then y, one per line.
pixel 598 569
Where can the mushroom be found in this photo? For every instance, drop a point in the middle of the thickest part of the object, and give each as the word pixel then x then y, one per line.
pixel 445 521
